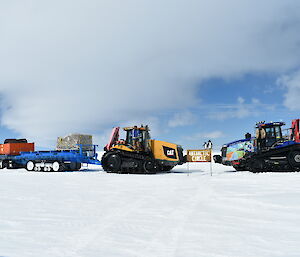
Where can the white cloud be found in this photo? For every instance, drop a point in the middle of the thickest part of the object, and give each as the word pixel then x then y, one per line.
pixel 292 84
pixel 241 100
pixel 205 136
pixel 212 135
pixel 78 66
pixel 182 119
pixel 240 110
pixel 255 101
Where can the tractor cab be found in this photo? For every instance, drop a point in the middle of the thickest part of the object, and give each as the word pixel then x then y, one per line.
pixel 137 137
pixel 268 134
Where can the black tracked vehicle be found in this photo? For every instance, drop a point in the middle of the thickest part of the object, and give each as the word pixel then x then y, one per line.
pixel 273 150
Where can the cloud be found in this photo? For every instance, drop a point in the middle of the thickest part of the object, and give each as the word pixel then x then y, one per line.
pixel 292 84
pixel 212 135
pixel 77 66
pixel 180 119
pixel 242 109
pixel 241 100
pixel 205 136
pixel 239 111
pixel 255 101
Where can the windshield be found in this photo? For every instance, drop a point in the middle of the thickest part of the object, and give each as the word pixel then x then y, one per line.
pixel 273 134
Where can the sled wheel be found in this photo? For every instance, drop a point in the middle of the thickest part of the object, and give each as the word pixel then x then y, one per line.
pixel 30 166
pixel 78 166
pixel 56 166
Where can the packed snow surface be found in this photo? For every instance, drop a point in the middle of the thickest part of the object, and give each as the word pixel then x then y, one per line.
pixel 186 213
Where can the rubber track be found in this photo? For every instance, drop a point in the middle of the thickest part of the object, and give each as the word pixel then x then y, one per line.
pixel 285 151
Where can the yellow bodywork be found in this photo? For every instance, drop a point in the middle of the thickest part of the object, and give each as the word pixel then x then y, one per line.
pixel 157 148
pixel 160 150
pixel 123 147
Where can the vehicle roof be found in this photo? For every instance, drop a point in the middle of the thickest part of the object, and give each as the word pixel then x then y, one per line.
pixel 238 141
pixel 131 128
pixel 269 124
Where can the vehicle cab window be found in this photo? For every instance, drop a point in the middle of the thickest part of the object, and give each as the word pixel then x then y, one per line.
pixel 278 132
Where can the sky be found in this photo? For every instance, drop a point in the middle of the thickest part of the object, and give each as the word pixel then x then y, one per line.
pixel 192 70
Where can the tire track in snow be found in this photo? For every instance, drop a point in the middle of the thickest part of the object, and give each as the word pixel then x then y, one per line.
pixel 90 234
pixel 84 240
pixel 180 216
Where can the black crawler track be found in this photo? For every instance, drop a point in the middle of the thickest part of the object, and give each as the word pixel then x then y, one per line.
pixel 284 159
pixel 117 161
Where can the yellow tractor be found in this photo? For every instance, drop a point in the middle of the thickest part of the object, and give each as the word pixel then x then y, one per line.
pixel 138 153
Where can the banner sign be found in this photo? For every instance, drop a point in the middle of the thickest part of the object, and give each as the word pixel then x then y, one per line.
pixel 199 155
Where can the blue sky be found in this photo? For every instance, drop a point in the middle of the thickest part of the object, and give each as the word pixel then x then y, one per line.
pixel 230 108
pixel 192 70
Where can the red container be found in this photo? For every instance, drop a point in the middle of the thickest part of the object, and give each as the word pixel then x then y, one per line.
pixel 16 148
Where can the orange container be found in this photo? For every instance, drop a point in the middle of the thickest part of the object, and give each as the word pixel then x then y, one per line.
pixel 16 148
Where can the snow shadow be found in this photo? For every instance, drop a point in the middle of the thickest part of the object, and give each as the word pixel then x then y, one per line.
pixel 83 170
pixel 203 172
pixel 189 172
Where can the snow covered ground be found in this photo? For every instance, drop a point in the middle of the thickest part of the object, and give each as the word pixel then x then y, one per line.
pixel 187 214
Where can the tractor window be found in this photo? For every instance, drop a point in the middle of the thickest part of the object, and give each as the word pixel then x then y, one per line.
pixel 129 137
pixel 270 137
pixel 278 132
pixel 273 134
pixel 270 132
